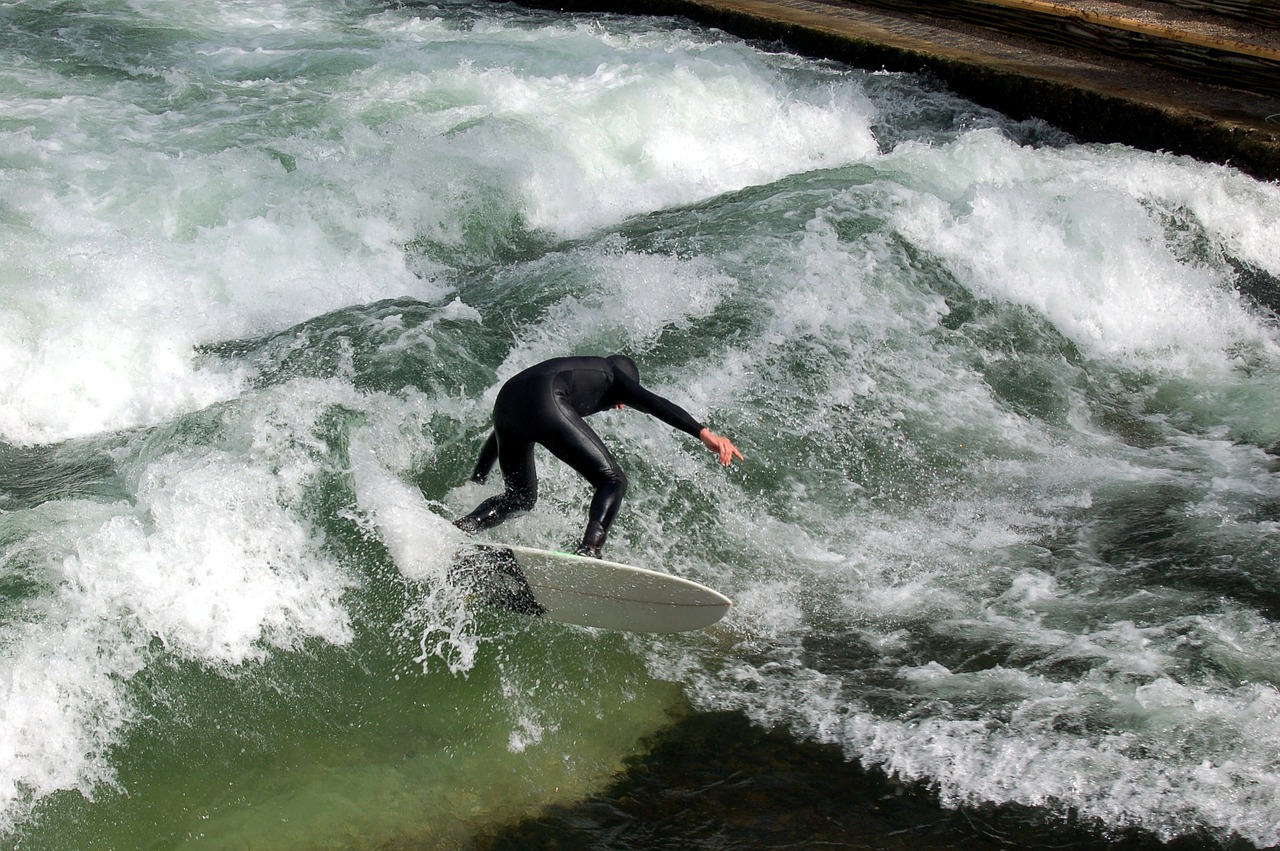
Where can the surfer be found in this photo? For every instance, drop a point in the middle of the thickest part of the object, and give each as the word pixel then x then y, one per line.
pixel 545 404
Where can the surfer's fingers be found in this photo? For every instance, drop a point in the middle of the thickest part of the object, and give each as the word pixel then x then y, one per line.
pixel 727 451
pixel 722 446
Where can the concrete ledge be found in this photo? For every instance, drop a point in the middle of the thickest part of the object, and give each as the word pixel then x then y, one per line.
pixel 1095 97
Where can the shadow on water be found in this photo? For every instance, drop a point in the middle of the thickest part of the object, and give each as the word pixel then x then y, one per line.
pixel 714 782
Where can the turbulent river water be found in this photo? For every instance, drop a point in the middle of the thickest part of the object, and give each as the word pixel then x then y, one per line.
pixel 1008 526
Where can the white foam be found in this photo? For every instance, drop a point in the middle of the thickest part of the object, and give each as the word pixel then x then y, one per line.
pixel 60 702
pixel 213 558
pixel 1092 708
pixel 631 126
pixel 631 301
pixel 212 562
pixel 113 296
pixel 148 234
pixel 1071 236
pixel 422 544
pixel 1091 711
pixel 227 202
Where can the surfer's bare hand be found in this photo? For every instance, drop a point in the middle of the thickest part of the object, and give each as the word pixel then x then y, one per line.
pixel 722 446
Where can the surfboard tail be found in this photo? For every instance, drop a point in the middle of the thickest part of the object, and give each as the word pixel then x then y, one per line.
pixel 493 576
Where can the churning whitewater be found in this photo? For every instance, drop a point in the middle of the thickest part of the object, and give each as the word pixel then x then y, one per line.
pixel 1010 520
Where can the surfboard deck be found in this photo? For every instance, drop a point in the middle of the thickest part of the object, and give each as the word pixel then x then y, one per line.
pixel 585 591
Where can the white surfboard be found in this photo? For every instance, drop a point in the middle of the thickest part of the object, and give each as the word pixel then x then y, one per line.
pixel 586 591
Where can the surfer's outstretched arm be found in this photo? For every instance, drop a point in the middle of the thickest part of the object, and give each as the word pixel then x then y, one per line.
pixel 627 390
pixel 722 446
pixel 488 455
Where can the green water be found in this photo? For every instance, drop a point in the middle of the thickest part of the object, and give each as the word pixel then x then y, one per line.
pixel 355 749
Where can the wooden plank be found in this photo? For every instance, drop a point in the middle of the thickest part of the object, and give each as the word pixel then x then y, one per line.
pixel 1043 7
pixel 1190 55
pixel 1264 13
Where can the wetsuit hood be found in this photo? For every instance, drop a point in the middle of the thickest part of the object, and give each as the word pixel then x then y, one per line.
pixel 625 365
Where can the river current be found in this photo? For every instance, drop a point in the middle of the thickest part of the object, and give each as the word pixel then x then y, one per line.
pixel 1008 526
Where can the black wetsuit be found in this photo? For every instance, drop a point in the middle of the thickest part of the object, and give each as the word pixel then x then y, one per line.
pixel 546 404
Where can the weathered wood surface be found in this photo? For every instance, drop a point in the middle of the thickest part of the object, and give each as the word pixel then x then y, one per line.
pixel 1263 12
pixel 1190 53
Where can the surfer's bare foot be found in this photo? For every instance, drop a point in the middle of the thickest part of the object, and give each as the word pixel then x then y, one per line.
pixel 466 524
pixel 588 551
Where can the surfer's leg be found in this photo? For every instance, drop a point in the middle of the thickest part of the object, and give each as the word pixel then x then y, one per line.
pixel 520 413
pixel 520 475
pixel 576 444
pixel 604 509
